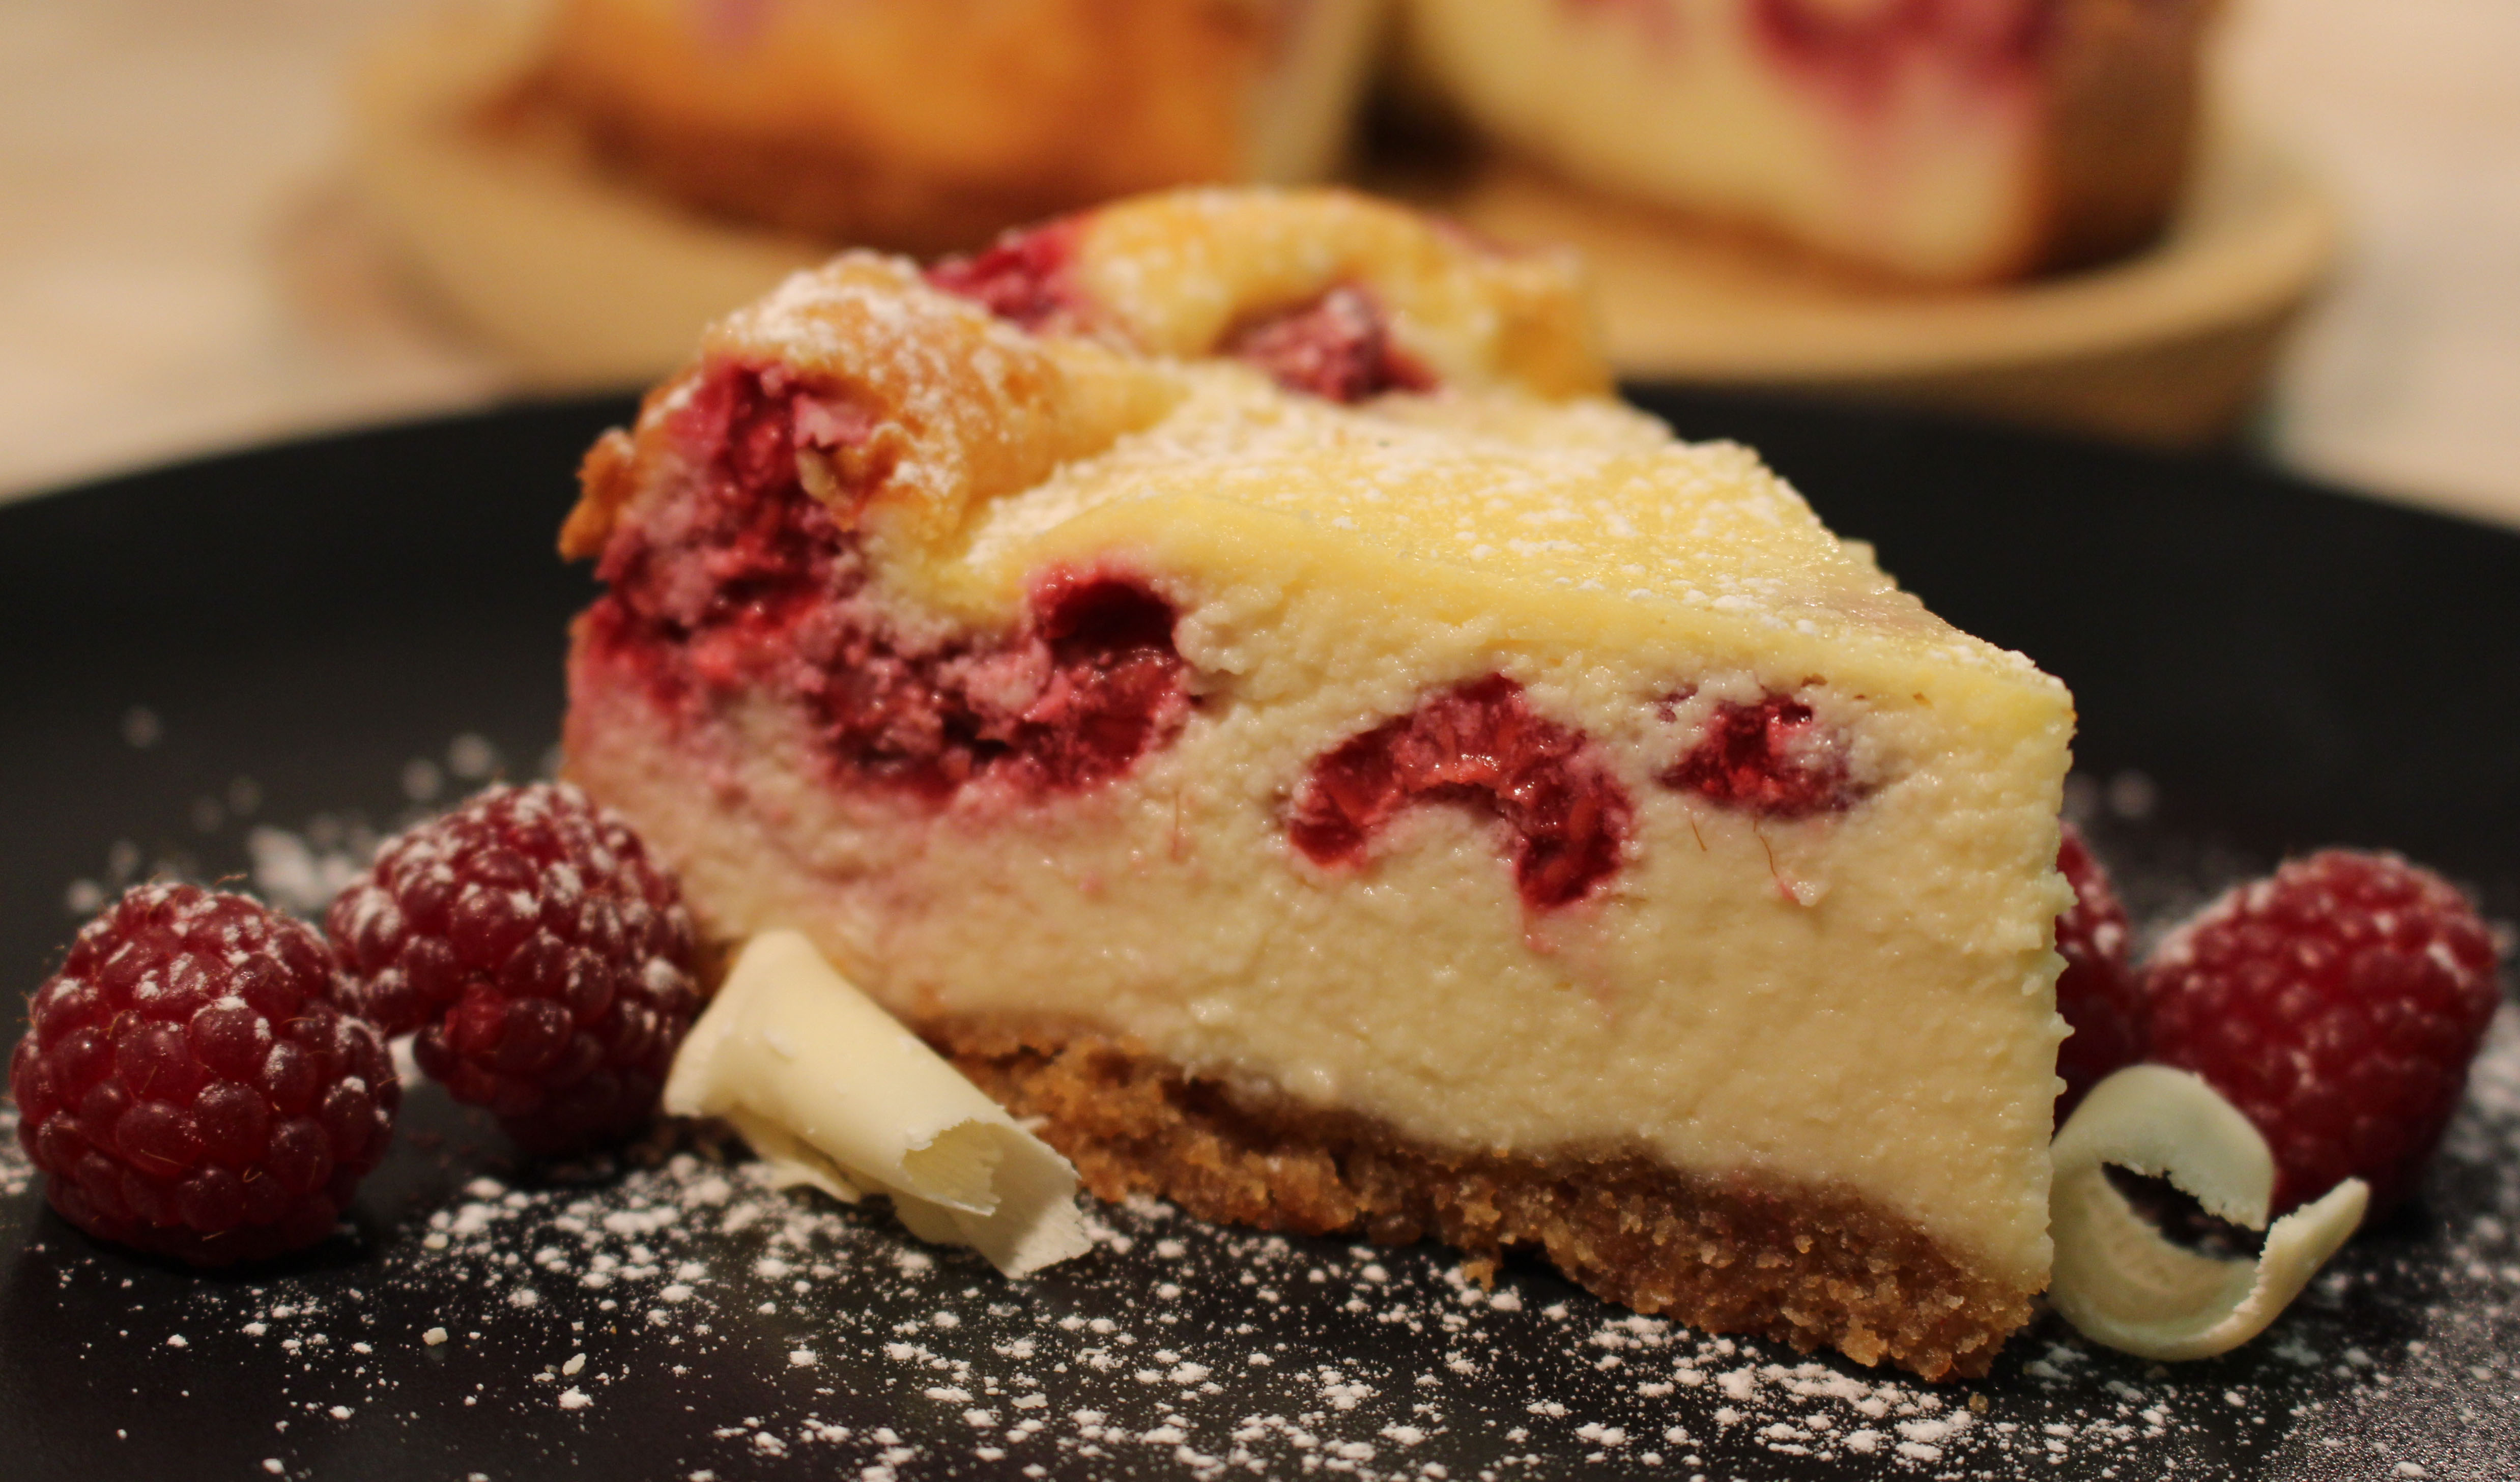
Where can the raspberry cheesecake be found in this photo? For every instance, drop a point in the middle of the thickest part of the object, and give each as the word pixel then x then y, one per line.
pixel 1932 141
pixel 921 126
pixel 1225 671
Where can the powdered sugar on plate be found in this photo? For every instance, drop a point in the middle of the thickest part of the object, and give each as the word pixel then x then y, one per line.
pixel 481 1310
pixel 836 1345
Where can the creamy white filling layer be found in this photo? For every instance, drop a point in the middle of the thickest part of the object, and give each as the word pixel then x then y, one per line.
pixel 1860 1002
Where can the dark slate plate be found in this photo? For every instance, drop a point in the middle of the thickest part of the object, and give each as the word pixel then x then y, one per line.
pixel 310 637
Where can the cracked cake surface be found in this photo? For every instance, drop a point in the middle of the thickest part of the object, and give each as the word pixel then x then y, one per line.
pixel 1223 669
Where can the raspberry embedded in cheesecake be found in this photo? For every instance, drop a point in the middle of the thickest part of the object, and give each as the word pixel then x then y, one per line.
pixel 1936 141
pixel 1224 671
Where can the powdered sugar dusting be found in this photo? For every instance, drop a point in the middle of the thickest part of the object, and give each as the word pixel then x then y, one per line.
pixel 302 871
pixel 1178 1348
pixel 739 1330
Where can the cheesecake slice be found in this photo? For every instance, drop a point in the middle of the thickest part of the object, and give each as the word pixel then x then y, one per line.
pixel 1934 141
pixel 1225 671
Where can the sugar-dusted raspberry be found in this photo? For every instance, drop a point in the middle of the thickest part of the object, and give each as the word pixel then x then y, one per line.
pixel 2337 1005
pixel 1337 346
pixel 1024 276
pixel 544 959
pixel 2099 993
pixel 189 1085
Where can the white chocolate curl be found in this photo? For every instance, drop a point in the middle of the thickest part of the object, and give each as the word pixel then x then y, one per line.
pixel 833 1092
pixel 2118 1280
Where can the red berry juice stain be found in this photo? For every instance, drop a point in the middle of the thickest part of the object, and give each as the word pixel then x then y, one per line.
pixel 1478 745
pixel 1336 346
pixel 1773 759
pixel 748 581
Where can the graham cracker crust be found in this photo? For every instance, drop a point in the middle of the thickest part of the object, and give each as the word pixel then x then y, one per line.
pixel 1809 1267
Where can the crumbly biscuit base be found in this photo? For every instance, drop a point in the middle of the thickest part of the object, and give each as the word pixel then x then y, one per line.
pixel 1811 1266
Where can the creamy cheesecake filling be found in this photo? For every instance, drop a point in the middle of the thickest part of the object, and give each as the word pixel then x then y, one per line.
pixel 1700 1011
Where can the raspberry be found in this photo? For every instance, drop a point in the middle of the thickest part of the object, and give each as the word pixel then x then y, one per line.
pixel 2337 1005
pixel 2098 992
pixel 544 959
pixel 1481 745
pixel 189 1085
pixel 1024 276
pixel 1338 347
pixel 1773 759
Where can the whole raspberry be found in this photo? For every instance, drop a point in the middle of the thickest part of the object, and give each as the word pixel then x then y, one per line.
pixel 2337 1005
pixel 545 961
pixel 2098 992
pixel 189 1085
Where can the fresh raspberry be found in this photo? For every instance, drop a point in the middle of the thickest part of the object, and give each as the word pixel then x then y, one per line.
pixel 545 961
pixel 2337 1005
pixel 191 1088
pixel 2098 992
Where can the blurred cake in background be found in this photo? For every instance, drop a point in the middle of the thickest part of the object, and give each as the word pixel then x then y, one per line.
pixel 585 183
pixel 1930 141
pixel 2005 207
pixel 928 125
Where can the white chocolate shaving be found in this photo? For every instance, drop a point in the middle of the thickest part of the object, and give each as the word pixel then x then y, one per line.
pixel 833 1092
pixel 2118 1280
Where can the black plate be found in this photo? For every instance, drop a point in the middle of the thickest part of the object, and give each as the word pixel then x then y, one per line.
pixel 2261 666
